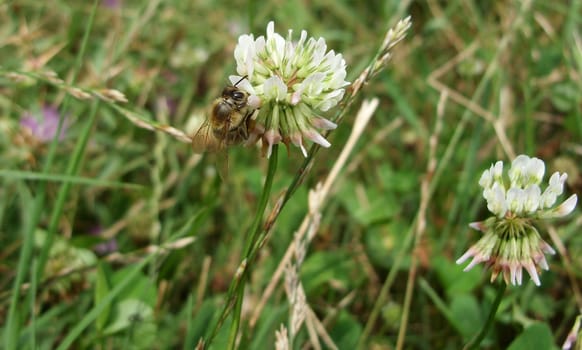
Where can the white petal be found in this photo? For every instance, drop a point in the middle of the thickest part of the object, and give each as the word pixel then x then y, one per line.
pixel 323 123
pixel 546 248
pixel 272 137
pixel 295 98
pixel 535 170
pixel 476 260
pixel 312 85
pixel 568 206
pixel 515 273
pixel 562 210
pixel 517 171
pixel 479 226
pixel 270 29
pixel 255 102
pixel 543 263
pixel 486 179
pixel 469 253
pixel 548 198
pixel 519 276
pixel 556 183
pixel 532 198
pixel 317 138
pixel 260 44
pixel 497 170
pixel 554 179
pixel 275 89
pixel 330 99
pixel 533 273
pixel 496 202
pixel 242 84
pixel 515 199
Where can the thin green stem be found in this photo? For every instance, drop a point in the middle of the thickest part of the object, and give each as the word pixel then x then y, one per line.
pixel 474 344
pixel 237 287
pixel 189 338
pixel 256 226
pixel 235 325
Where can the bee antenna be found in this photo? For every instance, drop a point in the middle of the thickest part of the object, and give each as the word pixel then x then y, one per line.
pixel 241 79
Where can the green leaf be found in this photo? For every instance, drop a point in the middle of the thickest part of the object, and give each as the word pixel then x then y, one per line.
pixel 466 315
pixel 102 288
pixel 383 242
pixel 346 331
pixel 322 267
pixel 142 288
pixel 396 182
pixel 377 206
pixel 565 96
pixel 127 313
pixel 536 336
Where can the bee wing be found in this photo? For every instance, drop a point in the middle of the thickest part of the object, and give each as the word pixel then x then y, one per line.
pixel 222 153
pixel 205 141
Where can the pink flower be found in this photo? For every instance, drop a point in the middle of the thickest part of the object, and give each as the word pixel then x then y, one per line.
pixel 43 126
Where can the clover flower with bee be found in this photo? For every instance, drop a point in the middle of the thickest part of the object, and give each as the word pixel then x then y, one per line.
pixel 295 82
pixel 511 242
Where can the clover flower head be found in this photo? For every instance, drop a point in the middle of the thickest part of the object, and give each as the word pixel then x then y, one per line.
pixel 511 242
pixel 295 81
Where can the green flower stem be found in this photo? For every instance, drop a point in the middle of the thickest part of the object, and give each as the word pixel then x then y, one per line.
pixel 256 227
pixel 474 343
pixel 237 287
pixel 234 326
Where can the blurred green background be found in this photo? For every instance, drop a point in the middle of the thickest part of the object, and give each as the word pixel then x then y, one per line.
pixel 106 193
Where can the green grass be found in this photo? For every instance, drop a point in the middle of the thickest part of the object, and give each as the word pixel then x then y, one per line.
pixel 380 271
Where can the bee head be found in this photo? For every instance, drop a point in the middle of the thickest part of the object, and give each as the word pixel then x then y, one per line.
pixel 235 94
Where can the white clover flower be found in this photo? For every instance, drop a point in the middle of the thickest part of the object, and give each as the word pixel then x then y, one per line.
pixel 294 81
pixel 511 242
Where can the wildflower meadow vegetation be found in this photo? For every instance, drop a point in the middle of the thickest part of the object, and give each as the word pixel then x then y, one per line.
pixel 290 175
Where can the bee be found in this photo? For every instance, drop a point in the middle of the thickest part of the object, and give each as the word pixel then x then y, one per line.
pixel 229 121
